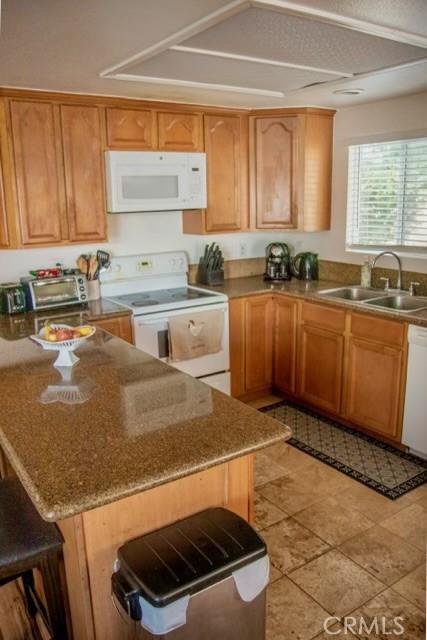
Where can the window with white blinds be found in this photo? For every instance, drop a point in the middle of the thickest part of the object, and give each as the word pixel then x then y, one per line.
pixel 387 194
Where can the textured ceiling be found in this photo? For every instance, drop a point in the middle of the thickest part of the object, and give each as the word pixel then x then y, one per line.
pixel 405 15
pixel 296 40
pixel 66 46
pixel 238 73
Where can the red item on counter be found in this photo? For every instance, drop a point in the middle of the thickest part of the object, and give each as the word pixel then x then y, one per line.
pixel 46 273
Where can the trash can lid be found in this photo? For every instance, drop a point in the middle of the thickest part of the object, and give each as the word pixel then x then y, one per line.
pixel 190 555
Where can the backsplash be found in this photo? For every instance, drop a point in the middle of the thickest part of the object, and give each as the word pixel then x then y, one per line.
pixel 328 270
pixel 242 268
pixel 350 274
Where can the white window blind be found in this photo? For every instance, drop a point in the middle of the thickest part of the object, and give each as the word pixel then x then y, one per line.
pixel 387 194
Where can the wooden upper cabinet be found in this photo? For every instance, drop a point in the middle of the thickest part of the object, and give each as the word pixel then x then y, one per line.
pixel 285 343
pixel 316 180
pixel 39 180
pixel 82 128
pixel 131 128
pixel 180 131
pixel 225 146
pixel 274 171
pixel 4 235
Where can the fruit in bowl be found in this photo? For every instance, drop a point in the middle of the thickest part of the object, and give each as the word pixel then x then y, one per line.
pixel 62 333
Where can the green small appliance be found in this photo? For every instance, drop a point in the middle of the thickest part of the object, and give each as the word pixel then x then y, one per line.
pixel 305 266
pixel 12 298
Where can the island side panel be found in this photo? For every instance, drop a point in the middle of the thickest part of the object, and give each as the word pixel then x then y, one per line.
pixel 92 538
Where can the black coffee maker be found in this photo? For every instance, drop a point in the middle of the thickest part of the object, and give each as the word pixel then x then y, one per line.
pixel 278 262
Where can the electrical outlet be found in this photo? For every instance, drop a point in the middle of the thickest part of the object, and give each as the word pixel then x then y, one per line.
pixel 243 249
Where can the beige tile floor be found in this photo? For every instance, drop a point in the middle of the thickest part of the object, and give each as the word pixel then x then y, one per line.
pixel 338 549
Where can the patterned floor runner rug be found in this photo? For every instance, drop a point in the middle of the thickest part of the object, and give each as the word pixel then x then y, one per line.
pixel 379 466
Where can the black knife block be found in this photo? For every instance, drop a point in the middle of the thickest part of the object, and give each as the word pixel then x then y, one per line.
pixel 210 277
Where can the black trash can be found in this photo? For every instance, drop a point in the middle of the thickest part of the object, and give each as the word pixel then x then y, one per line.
pixel 202 577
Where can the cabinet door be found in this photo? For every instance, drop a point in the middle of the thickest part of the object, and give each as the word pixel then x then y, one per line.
pixel 120 327
pixel 237 346
pixel 131 129
pixel 4 236
pixel 225 146
pixel 316 214
pixel 84 172
pixel 273 152
pixel 180 131
pixel 258 343
pixel 320 366
pixel 39 179
pixel 373 386
pixel 284 347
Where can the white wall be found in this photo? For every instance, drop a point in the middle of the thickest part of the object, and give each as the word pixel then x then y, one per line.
pixel 398 116
pixel 145 233
pixel 137 233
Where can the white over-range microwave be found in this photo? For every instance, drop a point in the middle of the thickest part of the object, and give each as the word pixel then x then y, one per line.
pixel 155 181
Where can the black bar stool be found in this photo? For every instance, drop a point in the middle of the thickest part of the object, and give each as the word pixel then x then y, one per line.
pixel 27 542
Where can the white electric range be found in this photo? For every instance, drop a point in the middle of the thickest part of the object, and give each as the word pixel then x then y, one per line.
pixel 155 288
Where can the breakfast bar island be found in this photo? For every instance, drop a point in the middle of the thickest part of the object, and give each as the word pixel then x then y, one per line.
pixel 116 446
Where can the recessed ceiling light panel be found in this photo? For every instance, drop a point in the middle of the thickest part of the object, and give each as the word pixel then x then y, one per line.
pixel 349 92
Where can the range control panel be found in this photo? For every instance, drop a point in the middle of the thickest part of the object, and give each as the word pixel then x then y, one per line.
pixel 146 265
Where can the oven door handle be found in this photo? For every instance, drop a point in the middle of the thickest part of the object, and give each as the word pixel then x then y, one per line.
pixel 146 323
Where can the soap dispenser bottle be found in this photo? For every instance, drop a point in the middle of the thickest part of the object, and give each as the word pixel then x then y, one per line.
pixel 366 272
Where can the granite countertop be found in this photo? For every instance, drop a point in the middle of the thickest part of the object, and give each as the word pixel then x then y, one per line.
pixel 20 325
pixel 142 424
pixel 255 285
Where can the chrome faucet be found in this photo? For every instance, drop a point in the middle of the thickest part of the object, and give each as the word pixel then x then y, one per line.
pixel 399 265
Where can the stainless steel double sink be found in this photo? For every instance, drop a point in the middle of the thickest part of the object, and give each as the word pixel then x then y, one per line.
pixel 387 301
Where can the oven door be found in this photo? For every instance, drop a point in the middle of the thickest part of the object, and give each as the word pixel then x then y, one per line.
pixel 151 336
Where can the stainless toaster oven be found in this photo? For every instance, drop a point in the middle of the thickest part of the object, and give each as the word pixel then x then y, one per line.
pixel 47 293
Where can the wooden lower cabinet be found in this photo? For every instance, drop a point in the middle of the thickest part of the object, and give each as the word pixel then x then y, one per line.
pixel 120 327
pixel 284 344
pixel 251 343
pixel 346 364
pixel 320 367
pixel 6 470
pixel 258 343
pixel 320 355
pixel 374 376
pixel 91 540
